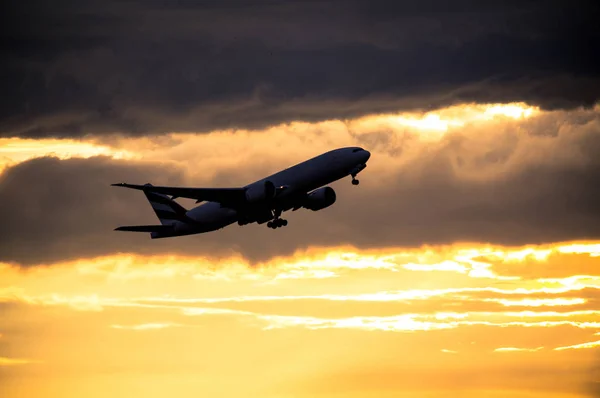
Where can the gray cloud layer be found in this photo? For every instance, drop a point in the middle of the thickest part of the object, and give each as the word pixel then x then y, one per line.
pixel 534 184
pixel 76 67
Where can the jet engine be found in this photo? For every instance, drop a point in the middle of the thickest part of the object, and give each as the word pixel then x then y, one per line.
pixel 319 199
pixel 258 193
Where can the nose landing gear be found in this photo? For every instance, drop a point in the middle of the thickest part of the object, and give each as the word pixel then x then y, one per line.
pixel 354 173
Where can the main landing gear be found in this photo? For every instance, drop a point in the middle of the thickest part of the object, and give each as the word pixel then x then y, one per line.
pixel 355 181
pixel 277 222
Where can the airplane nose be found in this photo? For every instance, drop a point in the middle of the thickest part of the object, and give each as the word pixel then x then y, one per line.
pixel 367 155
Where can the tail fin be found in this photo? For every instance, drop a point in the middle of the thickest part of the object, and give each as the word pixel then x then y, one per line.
pixel 167 210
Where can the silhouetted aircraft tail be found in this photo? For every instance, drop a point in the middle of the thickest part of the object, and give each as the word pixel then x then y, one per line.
pixel 166 209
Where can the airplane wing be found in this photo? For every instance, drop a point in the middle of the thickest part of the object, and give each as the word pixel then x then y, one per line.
pixel 228 197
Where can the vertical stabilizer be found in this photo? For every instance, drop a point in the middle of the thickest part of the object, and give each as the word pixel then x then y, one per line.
pixel 167 210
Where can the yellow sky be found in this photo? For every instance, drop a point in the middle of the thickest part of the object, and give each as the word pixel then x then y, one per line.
pixel 324 322
pixel 462 320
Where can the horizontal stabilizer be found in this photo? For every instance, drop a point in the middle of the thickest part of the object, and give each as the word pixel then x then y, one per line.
pixel 145 228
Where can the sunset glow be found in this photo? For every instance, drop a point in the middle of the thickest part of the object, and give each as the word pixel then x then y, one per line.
pixel 333 310
pixel 14 150
pixel 352 295
pixel 441 160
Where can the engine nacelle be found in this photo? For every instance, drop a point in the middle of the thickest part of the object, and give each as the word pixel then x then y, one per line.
pixel 319 199
pixel 258 193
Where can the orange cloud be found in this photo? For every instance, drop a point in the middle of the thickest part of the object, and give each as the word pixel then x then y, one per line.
pixel 16 361
pixel 147 326
pixel 223 150
pixel 16 150
pixel 153 320
pixel 324 320
pixel 590 344
pixel 514 349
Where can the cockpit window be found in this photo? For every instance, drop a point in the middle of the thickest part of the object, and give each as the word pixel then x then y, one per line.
pixel 356 150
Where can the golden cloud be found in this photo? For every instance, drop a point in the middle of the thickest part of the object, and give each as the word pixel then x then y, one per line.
pixel 503 312
pixel 167 316
pixel 17 361
pixel 515 349
pixel 16 150
pixel 147 326
pixel 228 150
pixel 590 344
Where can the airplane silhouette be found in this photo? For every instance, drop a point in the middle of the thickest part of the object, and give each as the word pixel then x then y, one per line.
pixel 263 201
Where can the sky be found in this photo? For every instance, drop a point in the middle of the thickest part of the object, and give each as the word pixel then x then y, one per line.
pixel 465 264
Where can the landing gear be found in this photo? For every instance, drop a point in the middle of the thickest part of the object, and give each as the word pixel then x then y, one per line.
pixel 276 223
pixel 355 171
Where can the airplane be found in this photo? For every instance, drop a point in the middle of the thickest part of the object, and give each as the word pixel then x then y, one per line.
pixel 300 186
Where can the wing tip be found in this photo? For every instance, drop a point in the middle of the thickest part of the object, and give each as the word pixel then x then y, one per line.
pixel 126 185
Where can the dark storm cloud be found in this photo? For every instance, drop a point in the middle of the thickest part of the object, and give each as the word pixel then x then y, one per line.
pixel 76 67
pixel 503 185
pixel 65 209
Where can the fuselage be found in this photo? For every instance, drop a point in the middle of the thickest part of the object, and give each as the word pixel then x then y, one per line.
pixel 299 179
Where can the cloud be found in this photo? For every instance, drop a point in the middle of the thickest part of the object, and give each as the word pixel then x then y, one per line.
pixel 146 326
pixel 79 68
pixel 159 324
pixel 53 199
pixel 448 351
pixel 515 349
pixel 591 344
pixel 16 361
pixel 393 323
pixel 515 182
pixel 426 310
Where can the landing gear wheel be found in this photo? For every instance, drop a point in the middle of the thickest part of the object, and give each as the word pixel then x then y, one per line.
pixel 355 182
pixel 276 223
